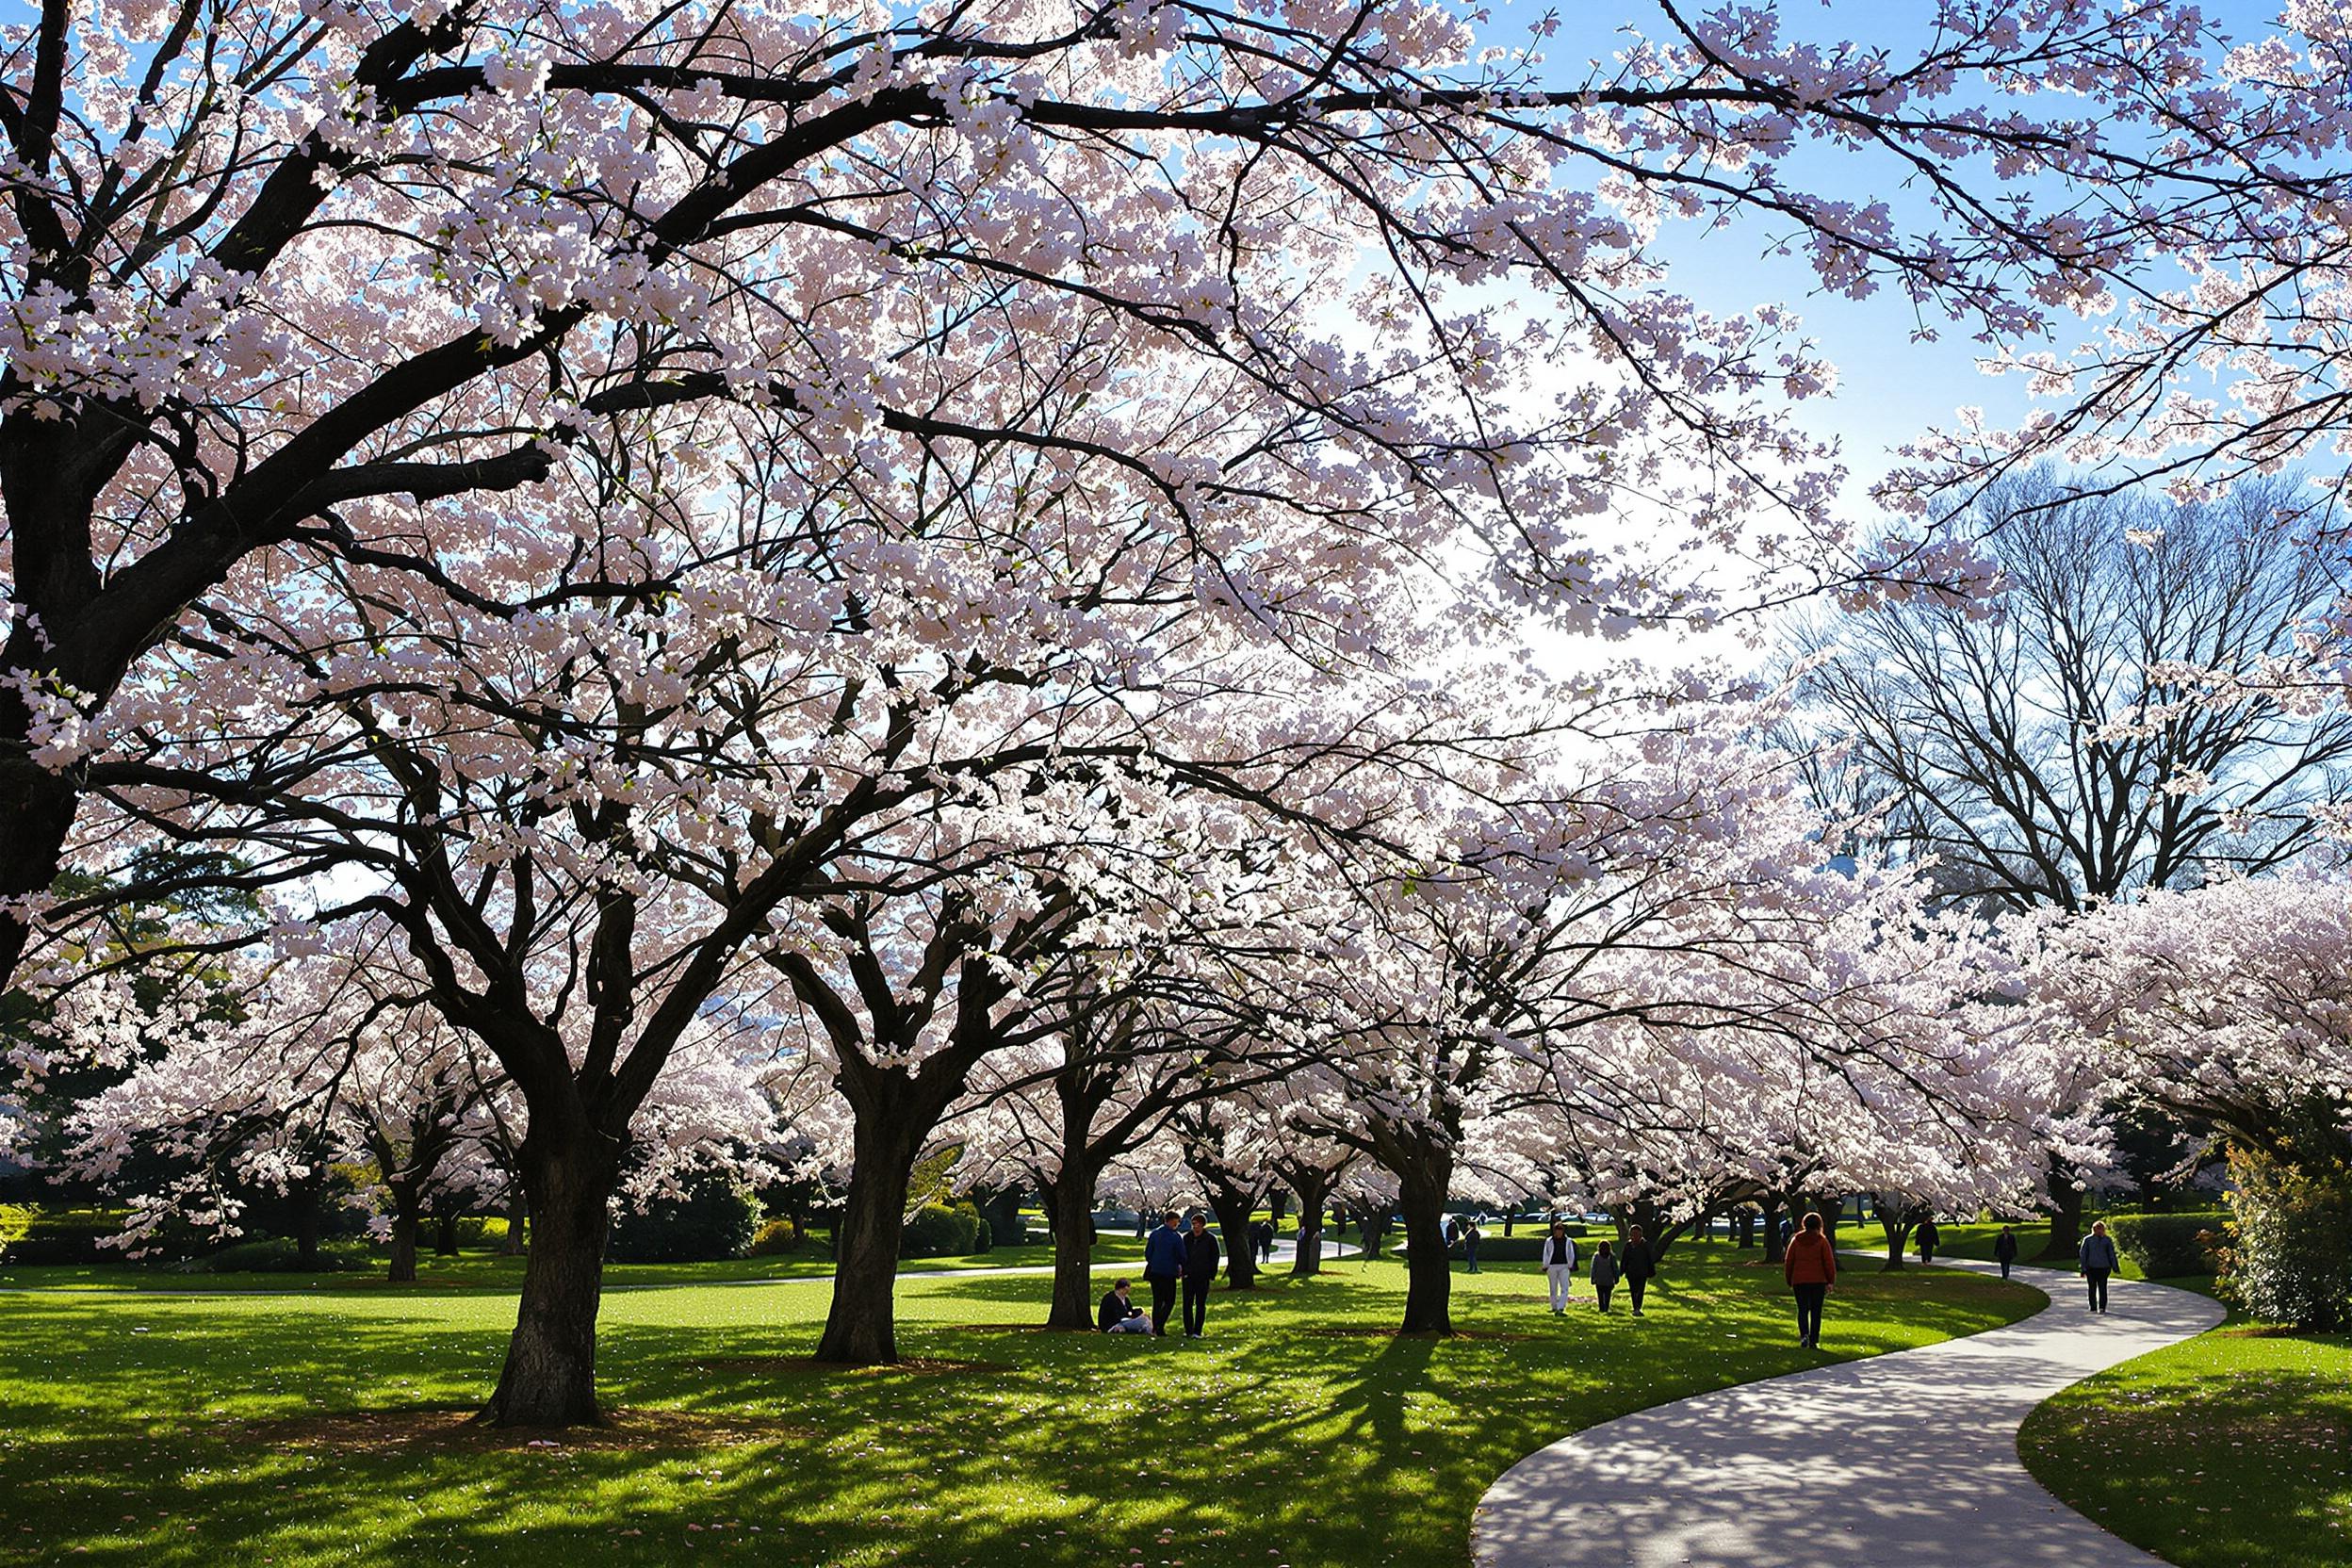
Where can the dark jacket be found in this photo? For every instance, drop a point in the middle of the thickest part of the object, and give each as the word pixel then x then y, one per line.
pixel 1200 1255
pixel 2004 1246
pixel 2098 1255
pixel 1928 1235
pixel 1634 1261
pixel 1113 1309
pixel 1164 1252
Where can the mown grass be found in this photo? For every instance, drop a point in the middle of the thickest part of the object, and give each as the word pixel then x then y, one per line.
pixel 182 1431
pixel 486 1271
pixel 2231 1448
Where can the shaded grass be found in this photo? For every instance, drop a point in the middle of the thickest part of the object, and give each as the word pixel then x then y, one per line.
pixel 2231 1448
pixel 154 1430
pixel 493 1271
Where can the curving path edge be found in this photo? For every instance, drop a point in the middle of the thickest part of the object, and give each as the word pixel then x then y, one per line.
pixel 1907 1459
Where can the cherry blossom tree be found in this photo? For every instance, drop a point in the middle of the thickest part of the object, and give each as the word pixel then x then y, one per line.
pixel 390 288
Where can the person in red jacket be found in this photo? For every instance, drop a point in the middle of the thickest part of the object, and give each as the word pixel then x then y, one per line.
pixel 1810 1267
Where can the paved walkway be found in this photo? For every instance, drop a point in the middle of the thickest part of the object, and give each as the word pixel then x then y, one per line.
pixel 1907 1459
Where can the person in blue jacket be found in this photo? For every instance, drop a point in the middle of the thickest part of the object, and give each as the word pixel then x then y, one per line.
pixel 2098 1253
pixel 1162 1267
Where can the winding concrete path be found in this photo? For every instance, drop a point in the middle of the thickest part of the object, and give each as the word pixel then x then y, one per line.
pixel 1909 1460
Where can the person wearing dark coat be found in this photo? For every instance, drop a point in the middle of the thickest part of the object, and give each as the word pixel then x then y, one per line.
pixel 1200 1260
pixel 1604 1274
pixel 1264 1236
pixel 1164 1267
pixel 1470 1239
pixel 1928 1237
pixel 2098 1257
pixel 1119 1315
pixel 2005 1249
pixel 1637 1263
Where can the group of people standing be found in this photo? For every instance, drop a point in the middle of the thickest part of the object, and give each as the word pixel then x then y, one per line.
pixel 1634 1266
pixel 1175 1260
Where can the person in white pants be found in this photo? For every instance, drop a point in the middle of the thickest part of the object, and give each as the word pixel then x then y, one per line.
pixel 1560 1264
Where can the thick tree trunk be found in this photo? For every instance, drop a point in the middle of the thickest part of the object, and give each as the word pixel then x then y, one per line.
pixel 1428 1273
pixel 2065 1217
pixel 1775 1250
pixel 517 1223
pixel 1071 1205
pixel 445 1235
pixel 1898 1232
pixel 549 1379
pixel 306 1224
pixel 861 1327
pixel 1241 1254
pixel 39 807
pixel 404 1221
pixel 1307 1257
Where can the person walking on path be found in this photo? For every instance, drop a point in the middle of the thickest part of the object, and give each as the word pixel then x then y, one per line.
pixel 1117 1315
pixel 1162 1267
pixel 1200 1259
pixel 1560 1266
pixel 1637 1263
pixel 1604 1274
pixel 2099 1261
pixel 2005 1249
pixel 1470 1246
pixel 1810 1267
pixel 1928 1235
pixel 1265 1236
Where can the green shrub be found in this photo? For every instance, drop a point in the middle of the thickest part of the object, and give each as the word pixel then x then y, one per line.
pixel 776 1237
pixel 937 1230
pixel 2166 1245
pixel 278 1255
pixel 713 1219
pixel 2290 1253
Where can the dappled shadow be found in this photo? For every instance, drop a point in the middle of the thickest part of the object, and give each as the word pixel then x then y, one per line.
pixel 1870 1461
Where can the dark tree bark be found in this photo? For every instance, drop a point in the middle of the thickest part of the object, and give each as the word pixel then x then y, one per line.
pixel 444 1234
pixel 1070 1202
pixel 1313 1185
pixel 1428 1273
pixel 549 1379
pixel 861 1327
pixel 517 1222
pixel 2065 1217
pixel 405 1223
pixel 1897 1224
pixel 306 1223
pixel 1775 1249
pixel 1232 1207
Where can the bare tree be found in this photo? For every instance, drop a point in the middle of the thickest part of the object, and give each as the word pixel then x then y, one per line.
pixel 2050 753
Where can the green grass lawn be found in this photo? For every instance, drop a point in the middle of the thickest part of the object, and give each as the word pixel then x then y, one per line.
pixel 2231 1448
pixel 490 1272
pixel 324 1429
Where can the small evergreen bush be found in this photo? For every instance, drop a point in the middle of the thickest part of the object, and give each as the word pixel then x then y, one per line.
pixel 713 1219
pixel 937 1230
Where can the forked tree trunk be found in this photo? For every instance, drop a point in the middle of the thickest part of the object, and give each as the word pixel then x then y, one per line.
pixel 549 1379
pixel 1307 1257
pixel 1073 1254
pixel 861 1327
pixel 1898 1232
pixel 1428 1273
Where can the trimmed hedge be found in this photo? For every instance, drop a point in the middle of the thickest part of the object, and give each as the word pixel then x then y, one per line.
pixel 2166 1245
pixel 62 1235
pixel 1527 1247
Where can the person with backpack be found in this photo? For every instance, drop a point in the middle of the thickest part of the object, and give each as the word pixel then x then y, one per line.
pixel 1637 1263
pixel 1559 1258
pixel 1810 1267
pixel 2005 1249
pixel 1200 1260
pixel 2098 1254
pixel 1928 1237
pixel 1604 1274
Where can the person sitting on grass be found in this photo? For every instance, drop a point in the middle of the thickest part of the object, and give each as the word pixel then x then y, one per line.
pixel 1119 1315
